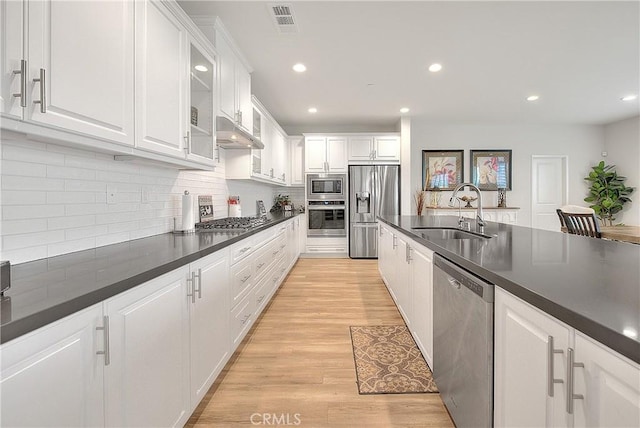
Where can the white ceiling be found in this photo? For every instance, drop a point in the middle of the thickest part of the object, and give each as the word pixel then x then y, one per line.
pixel 365 60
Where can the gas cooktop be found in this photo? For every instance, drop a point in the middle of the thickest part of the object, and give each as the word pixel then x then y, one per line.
pixel 231 224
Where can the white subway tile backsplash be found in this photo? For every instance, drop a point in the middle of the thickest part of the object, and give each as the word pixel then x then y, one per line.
pixel 15 212
pixel 13 182
pixel 54 199
pixel 18 197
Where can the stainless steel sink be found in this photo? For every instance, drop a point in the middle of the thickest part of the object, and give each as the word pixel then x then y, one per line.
pixel 445 234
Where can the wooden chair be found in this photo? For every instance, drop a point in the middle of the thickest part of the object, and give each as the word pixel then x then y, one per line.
pixel 583 222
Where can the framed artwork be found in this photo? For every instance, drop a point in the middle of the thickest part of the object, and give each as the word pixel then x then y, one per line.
pixel 442 169
pixel 491 169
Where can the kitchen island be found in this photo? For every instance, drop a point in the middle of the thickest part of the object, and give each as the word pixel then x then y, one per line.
pixel 564 323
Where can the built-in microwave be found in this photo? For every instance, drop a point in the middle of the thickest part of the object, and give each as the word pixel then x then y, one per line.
pixel 326 186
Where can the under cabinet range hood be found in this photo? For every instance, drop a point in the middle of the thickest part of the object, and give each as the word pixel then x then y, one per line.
pixel 230 136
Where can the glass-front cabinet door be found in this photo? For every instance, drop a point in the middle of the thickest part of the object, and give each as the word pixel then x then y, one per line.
pixel 202 143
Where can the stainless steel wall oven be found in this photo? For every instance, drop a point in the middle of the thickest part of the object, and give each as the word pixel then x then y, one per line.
pixel 326 218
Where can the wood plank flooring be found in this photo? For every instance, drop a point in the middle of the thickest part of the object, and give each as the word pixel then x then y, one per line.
pixel 296 365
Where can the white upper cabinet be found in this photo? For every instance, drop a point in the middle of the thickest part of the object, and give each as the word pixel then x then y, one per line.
pixel 296 145
pixel 367 148
pixel 161 78
pixel 235 82
pixel 201 110
pixel 75 64
pixel 325 154
pixel 13 94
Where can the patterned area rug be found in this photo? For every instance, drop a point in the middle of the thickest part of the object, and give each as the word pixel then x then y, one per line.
pixel 388 361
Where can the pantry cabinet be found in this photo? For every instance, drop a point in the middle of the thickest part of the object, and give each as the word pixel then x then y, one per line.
pixel 325 154
pixel 74 64
pixel 540 361
pixel 147 382
pixel 54 376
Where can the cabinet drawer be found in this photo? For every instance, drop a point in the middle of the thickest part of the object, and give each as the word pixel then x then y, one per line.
pixel 263 260
pixel 242 249
pixel 242 278
pixel 241 319
pixel 262 294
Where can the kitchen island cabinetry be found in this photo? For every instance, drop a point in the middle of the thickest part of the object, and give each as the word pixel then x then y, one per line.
pixel 533 375
pixel 147 380
pixel 53 376
pixel 422 300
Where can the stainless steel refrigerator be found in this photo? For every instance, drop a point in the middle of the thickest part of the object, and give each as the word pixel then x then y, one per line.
pixel 373 190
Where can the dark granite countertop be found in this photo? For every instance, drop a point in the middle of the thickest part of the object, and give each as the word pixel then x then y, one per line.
pixel 46 290
pixel 590 284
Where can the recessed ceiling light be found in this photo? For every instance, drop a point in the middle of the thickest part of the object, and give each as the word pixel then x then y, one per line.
pixel 233 136
pixel 201 67
pixel 629 97
pixel 300 68
pixel 533 98
pixel 312 110
pixel 435 67
pixel 404 110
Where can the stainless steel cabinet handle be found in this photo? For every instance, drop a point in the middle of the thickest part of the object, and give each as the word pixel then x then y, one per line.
pixel 260 265
pixel 106 352
pixel 191 283
pixel 551 380
pixel 246 317
pixel 187 141
pixel 243 280
pixel 407 255
pixel 261 299
pixel 199 276
pixel 571 364
pixel 23 83
pixel 275 252
pixel 43 85
pixel 244 250
pixel 395 241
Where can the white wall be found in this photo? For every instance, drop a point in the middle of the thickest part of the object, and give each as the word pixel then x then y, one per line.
pixel 622 143
pixel 582 144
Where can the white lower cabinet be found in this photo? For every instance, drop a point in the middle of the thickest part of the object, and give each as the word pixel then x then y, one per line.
pixel 499 215
pixel 532 373
pixel 53 376
pixel 422 300
pixel 406 268
pixel 209 322
pixel 147 381
pixel 144 357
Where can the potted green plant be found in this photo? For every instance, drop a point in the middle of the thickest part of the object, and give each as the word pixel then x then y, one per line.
pixel 607 192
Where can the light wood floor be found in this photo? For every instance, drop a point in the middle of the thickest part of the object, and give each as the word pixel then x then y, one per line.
pixel 297 360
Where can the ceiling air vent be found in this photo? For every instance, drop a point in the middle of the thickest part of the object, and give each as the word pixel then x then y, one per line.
pixel 283 18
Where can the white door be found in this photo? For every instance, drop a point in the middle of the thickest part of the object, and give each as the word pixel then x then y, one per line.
pixel 422 282
pixel 525 339
pixel 297 162
pixel 11 56
pixel 147 382
pixel 83 52
pixel 53 377
pixel 161 80
pixel 209 320
pixel 549 190
pixel 610 385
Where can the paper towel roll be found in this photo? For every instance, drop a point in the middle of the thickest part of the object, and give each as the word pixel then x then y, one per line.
pixel 188 212
pixel 235 210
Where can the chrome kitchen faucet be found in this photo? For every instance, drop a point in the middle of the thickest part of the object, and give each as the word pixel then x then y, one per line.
pixel 479 219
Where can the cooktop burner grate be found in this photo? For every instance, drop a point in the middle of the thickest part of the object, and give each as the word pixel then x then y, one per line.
pixel 232 223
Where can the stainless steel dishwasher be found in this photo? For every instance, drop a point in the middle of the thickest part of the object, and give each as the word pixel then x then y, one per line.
pixel 463 343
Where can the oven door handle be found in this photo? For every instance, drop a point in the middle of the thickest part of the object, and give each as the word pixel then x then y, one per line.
pixel 327 207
